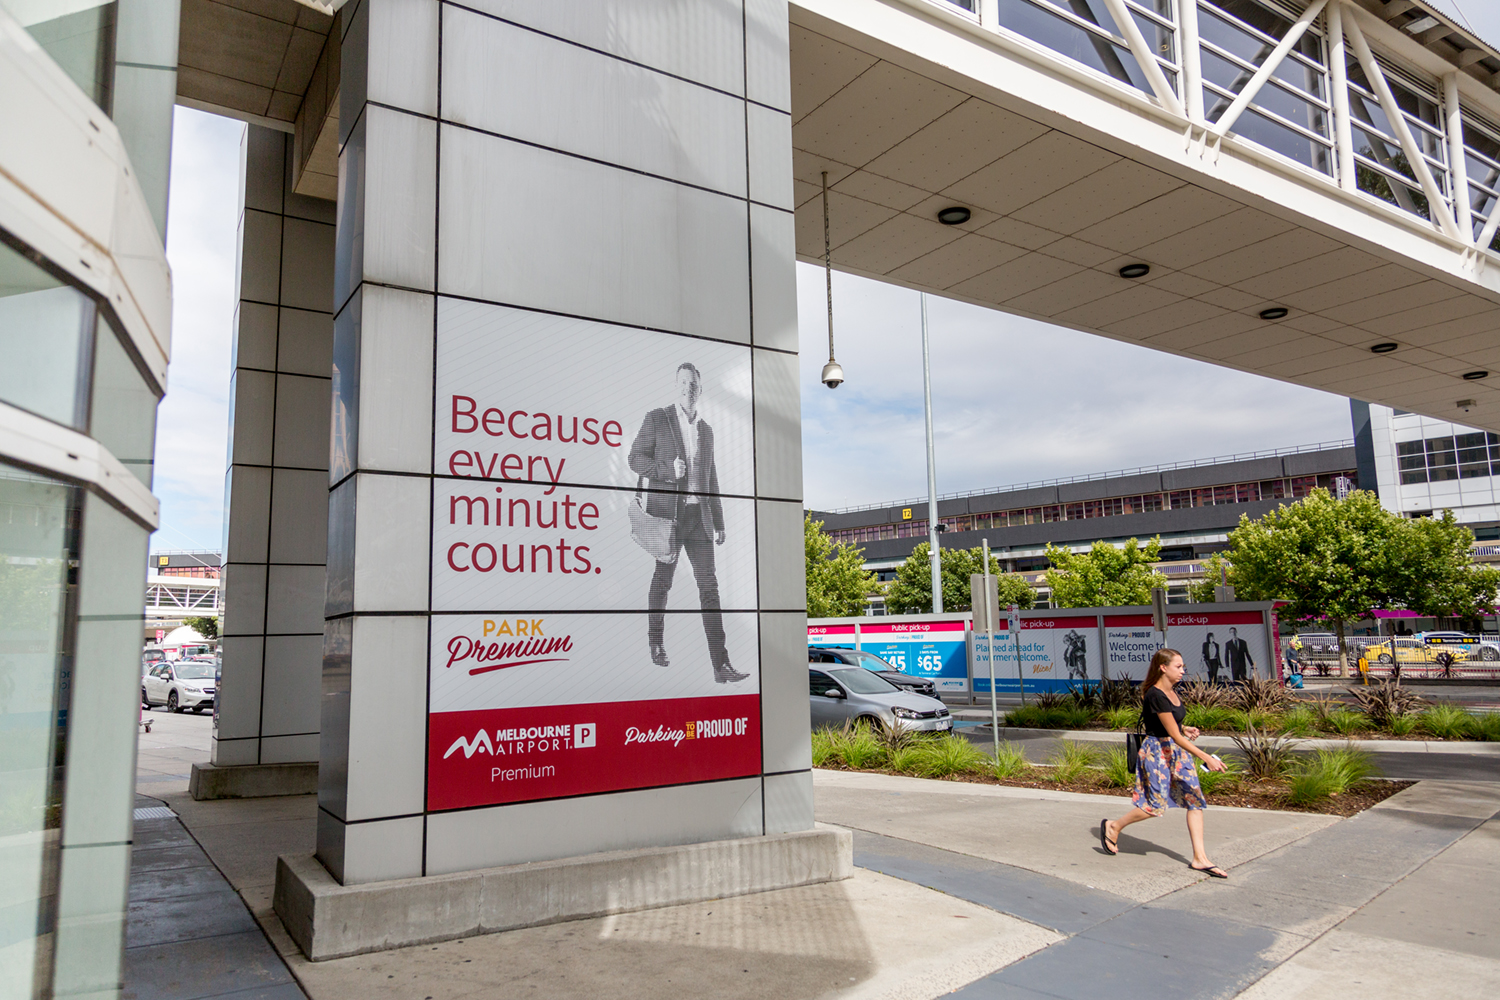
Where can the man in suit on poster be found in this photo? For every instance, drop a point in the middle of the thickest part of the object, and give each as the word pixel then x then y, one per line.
pixel 674 451
pixel 1237 655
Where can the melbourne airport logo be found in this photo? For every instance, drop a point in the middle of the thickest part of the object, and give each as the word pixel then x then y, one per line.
pixel 525 643
pixel 526 739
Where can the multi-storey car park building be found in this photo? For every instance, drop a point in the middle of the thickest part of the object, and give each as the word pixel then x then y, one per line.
pixel 1305 191
pixel 1191 505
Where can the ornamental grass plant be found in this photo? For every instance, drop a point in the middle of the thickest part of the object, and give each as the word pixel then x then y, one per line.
pixel 1297 721
pixel 1446 721
pixel 1009 762
pixel 1214 782
pixel 1266 757
pixel 1071 760
pixel 1327 773
pixel 1116 769
pixel 1345 722
pixel 947 754
pixel 1123 717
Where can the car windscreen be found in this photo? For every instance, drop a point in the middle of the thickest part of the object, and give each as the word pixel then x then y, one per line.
pixel 861 681
pixel 191 671
pixel 868 660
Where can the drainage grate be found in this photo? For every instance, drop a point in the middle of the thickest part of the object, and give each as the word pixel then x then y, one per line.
pixel 155 812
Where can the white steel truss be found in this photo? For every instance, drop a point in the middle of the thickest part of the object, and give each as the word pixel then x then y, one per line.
pixel 1338 20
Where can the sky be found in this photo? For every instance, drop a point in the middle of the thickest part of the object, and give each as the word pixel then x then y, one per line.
pixel 1014 401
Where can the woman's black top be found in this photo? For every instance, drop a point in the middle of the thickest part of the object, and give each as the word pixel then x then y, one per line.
pixel 1153 704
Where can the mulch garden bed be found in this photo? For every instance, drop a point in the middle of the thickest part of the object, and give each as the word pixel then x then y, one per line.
pixel 1245 794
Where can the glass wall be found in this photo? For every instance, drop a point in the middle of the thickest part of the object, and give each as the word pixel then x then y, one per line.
pixel 122 405
pixel 1475 455
pixel 46 330
pixel 79 35
pixel 1482 164
pixel 1381 166
pixel 1290 114
pixel 39 519
pixel 1084 30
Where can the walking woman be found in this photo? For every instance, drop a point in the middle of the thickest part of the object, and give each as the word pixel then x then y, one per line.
pixel 1166 777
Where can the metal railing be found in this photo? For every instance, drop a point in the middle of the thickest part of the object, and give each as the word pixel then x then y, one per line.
pixel 1409 659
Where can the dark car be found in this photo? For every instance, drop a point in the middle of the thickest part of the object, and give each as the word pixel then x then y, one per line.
pixel 874 664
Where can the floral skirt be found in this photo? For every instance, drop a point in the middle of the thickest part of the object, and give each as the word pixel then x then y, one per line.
pixel 1166 778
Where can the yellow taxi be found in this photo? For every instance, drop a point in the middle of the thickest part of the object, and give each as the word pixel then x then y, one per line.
pixel 1405 650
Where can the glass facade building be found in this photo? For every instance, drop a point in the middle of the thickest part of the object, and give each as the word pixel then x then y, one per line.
pixel 84 333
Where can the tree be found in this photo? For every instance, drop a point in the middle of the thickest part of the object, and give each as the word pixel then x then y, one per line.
pixel 837 583
pixel 1216 570
pixel 911 592
pixel 1433 573
pixel 1327 558
pixel 204 626
pixel 1105 576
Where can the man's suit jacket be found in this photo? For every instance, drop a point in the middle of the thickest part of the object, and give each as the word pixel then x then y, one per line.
pixel 1237 654
pixel 657 444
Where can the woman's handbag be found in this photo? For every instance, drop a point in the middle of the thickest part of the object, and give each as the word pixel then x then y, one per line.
pixel 657 535
pixel 1133 746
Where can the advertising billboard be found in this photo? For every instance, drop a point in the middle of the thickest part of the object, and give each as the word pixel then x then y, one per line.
pixel 1056 651
pixel 593 560
pixel 1217 646
pixel 933 649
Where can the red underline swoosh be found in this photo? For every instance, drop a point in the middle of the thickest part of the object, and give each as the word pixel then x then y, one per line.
pixel 517 663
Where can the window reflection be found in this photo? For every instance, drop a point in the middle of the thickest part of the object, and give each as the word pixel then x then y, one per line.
pixel 45 331
pixel 38 542
pixel 1085 31
pixel 79 35
pixel 123 416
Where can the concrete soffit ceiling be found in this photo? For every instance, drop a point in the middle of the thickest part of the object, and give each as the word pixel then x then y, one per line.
pixel 272 63
pixel 1059 204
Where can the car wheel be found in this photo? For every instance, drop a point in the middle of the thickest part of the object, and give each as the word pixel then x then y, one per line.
pixel 172 705
pixel 1385 658
pixel 873 722
pixel 1489 653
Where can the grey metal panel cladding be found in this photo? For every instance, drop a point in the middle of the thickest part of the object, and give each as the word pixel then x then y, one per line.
pixel 949 508
pixel 1119 486
pixel 855 519
pixel 1320 462
pixel 1037 496
pixel 1223 474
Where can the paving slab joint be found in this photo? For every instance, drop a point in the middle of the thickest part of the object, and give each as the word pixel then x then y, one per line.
pixel 329 920
pixel 252 781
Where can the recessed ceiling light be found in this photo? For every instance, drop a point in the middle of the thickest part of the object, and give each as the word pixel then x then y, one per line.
pixel 1275 312
pixel 954 215
pixel 1135 270
pixel 1475 376
pixel 1385 348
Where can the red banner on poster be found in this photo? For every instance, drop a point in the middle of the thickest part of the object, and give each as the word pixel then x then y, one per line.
pixel 497 756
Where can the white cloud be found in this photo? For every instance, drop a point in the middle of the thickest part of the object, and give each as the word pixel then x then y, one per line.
pixel 192 423
pixel 1014 400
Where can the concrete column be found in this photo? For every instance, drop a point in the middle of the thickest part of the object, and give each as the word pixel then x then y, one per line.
pixel 275 490
pixel 553 214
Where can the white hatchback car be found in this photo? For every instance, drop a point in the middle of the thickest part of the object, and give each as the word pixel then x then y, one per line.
pixel 179 685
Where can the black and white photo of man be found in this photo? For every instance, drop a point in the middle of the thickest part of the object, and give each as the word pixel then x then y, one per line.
pixel 1211 661
pixel 1237 655
pixel 674 451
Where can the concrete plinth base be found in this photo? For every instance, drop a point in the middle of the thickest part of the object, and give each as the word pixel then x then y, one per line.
pixel 328 920
pixel 252 781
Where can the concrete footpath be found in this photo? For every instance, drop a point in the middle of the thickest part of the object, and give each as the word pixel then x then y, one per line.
pixel 980 891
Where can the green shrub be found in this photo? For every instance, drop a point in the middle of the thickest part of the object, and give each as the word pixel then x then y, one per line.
pixel 822 748
pixel 1265 756
pixel 1122 718
pixel 857 746
pixel 1071 759
pixel 1447 722
pixel 1487 727
pixel 1116 767
pixel 1218 781
pixel 1057 717
pixel 1207 717
pixel 1010 761
pixel 1260 718
pixel 948 754
pixel 1346 722
pixel 1402 725
pixel 1329 772
pixel 1052 699
pixel 1238 720
pixel 1299 721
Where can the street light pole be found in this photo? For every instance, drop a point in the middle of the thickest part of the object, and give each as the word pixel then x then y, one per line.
pixel 933 553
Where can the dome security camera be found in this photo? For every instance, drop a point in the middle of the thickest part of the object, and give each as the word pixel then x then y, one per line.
pixel 833 374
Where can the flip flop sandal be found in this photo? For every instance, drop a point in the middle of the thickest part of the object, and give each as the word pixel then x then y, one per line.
pixel 1104 840
pixel 1213 871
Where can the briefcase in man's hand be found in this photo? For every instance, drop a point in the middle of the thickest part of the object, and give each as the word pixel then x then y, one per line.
pixel 657 535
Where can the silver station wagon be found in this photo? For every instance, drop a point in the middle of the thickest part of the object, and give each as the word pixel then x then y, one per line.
pixel 850 694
